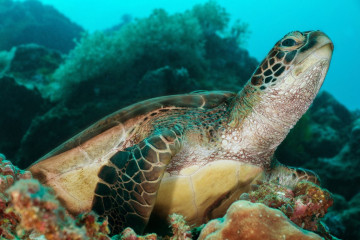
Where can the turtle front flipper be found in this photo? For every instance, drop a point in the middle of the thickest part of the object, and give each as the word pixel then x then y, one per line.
pixel 292 175
pixel 128 186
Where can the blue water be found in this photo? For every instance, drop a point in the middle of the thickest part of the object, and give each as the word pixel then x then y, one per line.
pixel 268 20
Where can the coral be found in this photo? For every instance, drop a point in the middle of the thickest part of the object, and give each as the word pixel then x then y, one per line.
pixel 29 210
pixel 158 40
pixel 254 221
pixel 10 173
pixel 129 234
pixel 304 204
pixel 211 16
pixel 146 44
pixel 94 229
pixel 41 214
pixel 311 204
pixel 180 229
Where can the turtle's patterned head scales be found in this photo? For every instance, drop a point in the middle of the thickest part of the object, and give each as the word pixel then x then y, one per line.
pixel 291 50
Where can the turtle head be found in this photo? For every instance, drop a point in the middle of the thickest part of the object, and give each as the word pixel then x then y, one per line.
pixel 291 75
pixel 296 53
pixel 282 88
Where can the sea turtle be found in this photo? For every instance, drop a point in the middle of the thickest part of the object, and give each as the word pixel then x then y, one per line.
pixel 192 154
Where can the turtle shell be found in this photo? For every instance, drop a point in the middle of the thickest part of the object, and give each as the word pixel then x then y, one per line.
pixel 72 168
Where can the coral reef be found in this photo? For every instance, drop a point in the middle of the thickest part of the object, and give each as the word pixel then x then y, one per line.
pixel 32 22
pixel 187 51
pixel 304 204
pixel 41 214
pixel 147 44
pixel 253 221
pixel 28 210
pixel 8 175
pixel 174 40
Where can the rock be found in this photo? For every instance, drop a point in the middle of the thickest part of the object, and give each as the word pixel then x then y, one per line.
pixel 230 65
pixel 355 138
pixel 330 123
pixel 31 65
pixel 328 111
pixel 321 133
pixel 341 173
pixel 344 219
pixel 165 81
pixel 32 22
pixel 34 63
pixel 252 221
pixel 18 107
pixel 325 141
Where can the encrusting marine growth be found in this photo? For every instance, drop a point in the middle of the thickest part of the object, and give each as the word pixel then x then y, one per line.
pixel 29 210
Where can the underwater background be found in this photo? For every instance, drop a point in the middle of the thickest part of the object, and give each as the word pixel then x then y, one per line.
pixel 66 64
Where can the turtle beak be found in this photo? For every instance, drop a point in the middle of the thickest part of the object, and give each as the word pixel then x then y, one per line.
pixel 322 39
pixel 318 43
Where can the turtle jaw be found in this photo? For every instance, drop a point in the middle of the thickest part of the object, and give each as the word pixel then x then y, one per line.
pixel 318 44
pixel 309 73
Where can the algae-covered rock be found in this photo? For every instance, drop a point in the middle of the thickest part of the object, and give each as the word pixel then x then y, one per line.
pixel 165 81
pixel 18 107
pixel 33 64
pixel 32 22
pixel 344 217
pixel 341 173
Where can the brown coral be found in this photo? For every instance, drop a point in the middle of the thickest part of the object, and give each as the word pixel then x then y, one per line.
pixel 41 214
pixel 254 221
pixel 130 234
pixel 10 173
pixel 180 229
pixel 304 204
pixel 28 210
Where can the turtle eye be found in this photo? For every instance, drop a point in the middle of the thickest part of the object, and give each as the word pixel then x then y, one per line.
pixel 288 42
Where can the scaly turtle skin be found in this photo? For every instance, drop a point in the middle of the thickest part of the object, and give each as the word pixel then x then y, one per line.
pixel 192 154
